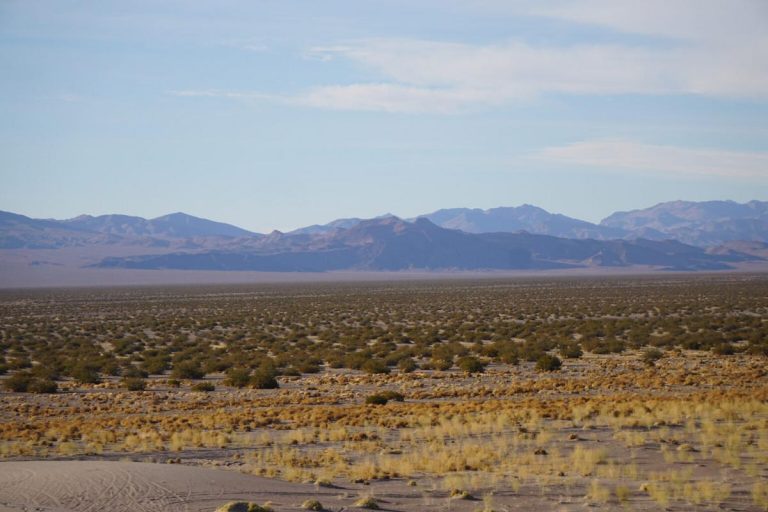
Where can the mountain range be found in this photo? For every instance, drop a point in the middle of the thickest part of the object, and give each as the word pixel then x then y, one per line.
pixel 677 235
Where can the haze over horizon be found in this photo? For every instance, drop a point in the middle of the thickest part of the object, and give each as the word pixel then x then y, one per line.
pixel 275 115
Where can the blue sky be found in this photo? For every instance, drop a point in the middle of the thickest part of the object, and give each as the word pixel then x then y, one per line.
pixel 277 114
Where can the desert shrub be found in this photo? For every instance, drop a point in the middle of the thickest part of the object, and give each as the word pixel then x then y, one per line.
pixel 155 365
pixel 204 387
pixel 530 352
pixel 188 370
pixel 383 397
pixel 724 349
pixel 606 346
pixel 86 373
pixel 308 367
pixel 312 505
pixel 46 372
pixel 42 386
pixel 571 351
pixel 242 506
pixel 548 363
pixel 134 383
pixel 237 377
pixel 173 383
pixel 356 360
pixel 376 399
pixel 407 365
pixel 651 355
pixel 441 364
pixel 367 502
pixel 131 371
pixel 470 364
pixel 289 371
pixel 392 395
pixel 374 366
pixel 264 378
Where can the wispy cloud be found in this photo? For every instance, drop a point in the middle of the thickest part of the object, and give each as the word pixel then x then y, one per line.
pixel 714 48
pixel 624 155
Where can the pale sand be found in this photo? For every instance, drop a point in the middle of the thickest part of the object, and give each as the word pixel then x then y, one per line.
pixel 95 486
pixel 59 486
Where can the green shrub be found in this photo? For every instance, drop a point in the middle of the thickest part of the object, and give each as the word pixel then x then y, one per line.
pixel 548 363
pixel 18 382
pixel 442 364
pixel 407 365
pixel 374 366
pixel 571 351
pixel 204 387
pixel 392 395
pixel 155 365
pixel 131 371
pixel 188 370
pixel 376 399
pixel 308 367
pixel 134 383
pixel 724 349
pixel 651 355
pixel 43 386
pixel 264 378
pixel 238 377
pixel 312 505
pixel 470 364
pixel 86 373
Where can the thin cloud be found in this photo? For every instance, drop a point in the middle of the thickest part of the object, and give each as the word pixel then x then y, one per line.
pixel 624 155
pixel 504 73
pixel 712 48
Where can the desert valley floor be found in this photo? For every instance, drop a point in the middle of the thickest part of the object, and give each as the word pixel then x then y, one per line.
pixel 614 393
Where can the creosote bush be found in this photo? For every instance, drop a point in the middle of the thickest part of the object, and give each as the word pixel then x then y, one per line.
pixel 383 397
pixel 548 363
pixel 374 366
pixel 238 377
pixel 470 364
pixel 204 387
pixel 264 378
pixel 651 355
pixel 134 383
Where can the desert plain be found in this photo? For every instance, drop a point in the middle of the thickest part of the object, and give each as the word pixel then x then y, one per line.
pixel 568 393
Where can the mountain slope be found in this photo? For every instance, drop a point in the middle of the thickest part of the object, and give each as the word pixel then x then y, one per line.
pixel 393 244
pixel 175 225
pixel 707 223
pixel 21 232
pixel 521 218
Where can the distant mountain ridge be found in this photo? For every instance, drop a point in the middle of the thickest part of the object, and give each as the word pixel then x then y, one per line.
pixel 521 218
pixel 678 235
pixel 18 231
pixel 174 225
pixel 704 223
pixel 392 244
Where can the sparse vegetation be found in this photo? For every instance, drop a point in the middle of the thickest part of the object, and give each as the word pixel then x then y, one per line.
pixel 670 368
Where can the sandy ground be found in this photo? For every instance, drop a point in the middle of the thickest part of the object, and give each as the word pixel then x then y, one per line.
pixel 93 486
pixel 59 486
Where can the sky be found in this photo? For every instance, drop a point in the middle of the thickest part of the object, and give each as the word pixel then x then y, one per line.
pixel 276 114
